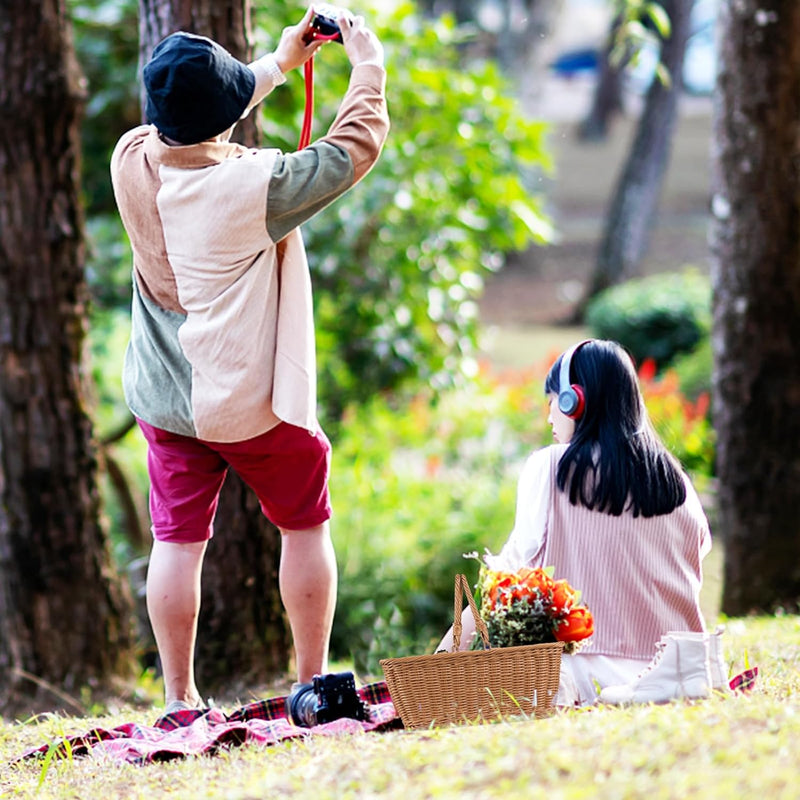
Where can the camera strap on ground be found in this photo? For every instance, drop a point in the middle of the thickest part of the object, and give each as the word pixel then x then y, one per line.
pixel 308 74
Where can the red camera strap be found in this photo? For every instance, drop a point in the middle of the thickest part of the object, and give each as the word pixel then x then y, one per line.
pixel 308 74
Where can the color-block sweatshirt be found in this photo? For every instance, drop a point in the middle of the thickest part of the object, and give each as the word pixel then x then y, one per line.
pixel 222 336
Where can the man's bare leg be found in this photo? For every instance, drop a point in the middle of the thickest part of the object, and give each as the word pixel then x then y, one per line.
pixel 173 604
pixel 308 583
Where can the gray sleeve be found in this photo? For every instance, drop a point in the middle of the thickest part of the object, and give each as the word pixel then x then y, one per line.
pixel 303 183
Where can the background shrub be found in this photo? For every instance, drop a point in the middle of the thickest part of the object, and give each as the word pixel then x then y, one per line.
pixel 682 423
pixel 656 317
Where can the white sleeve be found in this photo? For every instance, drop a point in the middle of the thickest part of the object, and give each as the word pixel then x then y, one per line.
pixel 268 75
pixel 530 522
pixel 694 504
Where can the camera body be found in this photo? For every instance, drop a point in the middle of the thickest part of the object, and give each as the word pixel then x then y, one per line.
pixel 337 698
pixel 326 698
pixel 324 21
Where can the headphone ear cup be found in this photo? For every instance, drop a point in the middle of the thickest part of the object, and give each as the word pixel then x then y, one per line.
pixel 572 402
pixel 568 401
pixel 581 404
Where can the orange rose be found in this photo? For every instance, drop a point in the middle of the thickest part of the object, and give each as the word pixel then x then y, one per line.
pixel 577 625
pixel 564 597
pixel 536 578
pixel 503 580
pixel 527 575
pixel 519 591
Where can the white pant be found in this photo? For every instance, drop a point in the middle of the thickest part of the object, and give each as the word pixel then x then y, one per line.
pixel 583 676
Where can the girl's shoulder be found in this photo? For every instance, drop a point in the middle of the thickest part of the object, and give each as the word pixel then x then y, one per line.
pixel 544 458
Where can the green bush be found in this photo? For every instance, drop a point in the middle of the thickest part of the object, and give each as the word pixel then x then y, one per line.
pixel 415 486
pixel 694 370
pixel 656 317
pixel 682 423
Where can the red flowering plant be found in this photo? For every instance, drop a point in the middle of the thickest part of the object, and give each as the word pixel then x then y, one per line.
pixel 529 607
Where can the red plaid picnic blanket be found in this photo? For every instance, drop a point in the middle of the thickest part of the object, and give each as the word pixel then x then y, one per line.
pixel 205 731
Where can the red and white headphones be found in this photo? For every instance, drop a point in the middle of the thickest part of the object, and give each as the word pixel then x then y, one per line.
pixel 571 397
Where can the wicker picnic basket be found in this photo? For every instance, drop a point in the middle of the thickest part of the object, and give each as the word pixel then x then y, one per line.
pixel 444 688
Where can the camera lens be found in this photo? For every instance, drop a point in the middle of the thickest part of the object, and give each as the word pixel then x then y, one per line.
pixel 327 698
pixel 303 706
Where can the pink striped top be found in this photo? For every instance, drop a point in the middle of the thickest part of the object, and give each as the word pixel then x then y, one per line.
pixel 639 576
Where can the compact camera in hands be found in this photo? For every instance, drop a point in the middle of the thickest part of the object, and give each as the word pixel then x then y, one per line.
pixel 324 21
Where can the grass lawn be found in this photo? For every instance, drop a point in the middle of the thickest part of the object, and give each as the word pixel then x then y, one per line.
pixel 725 746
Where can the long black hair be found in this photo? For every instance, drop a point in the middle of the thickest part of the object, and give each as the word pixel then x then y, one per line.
pixel 615 460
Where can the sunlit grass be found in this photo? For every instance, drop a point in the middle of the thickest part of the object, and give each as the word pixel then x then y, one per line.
pixel 725 746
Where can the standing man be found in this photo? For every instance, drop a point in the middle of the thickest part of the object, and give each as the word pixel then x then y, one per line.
pixel 220 368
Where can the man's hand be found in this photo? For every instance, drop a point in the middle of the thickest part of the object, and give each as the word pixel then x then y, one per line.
pixel 295 46
pixel 361 44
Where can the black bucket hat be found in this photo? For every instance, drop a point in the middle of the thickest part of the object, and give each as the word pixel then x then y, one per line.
pixel 195 88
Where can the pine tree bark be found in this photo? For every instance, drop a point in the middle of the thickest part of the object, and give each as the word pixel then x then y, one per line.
pixel 635 200
pixel 64 613
pixel 243 635
pixel 755 236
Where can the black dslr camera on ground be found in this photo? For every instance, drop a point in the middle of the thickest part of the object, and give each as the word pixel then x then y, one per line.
pixel 326 698
pixel 325 23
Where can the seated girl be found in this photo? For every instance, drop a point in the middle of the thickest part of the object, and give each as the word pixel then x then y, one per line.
pixel 616 516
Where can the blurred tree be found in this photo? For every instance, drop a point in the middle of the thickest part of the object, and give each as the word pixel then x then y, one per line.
pixel 755 237
pixel 462 10
pixel 243 634
pixel 64 614
pixel 636 25
pixel 508 30
pixel 607 98
pixel 635 199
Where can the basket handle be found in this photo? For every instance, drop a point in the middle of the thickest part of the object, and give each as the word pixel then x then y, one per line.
pixel 462 588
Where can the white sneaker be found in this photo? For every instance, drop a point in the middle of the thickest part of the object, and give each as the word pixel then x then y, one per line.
pixel 678 670
pixel 716 658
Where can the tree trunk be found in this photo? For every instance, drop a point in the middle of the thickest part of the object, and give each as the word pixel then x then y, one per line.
pixel 633 206
pixel 607 98
pixel 755 237
pixel 64 614
pixel 243 632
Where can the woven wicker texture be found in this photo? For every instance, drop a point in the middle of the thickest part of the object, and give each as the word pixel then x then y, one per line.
pixel 458 687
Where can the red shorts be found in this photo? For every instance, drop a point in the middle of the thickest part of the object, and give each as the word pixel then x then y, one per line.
pixel 287 467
